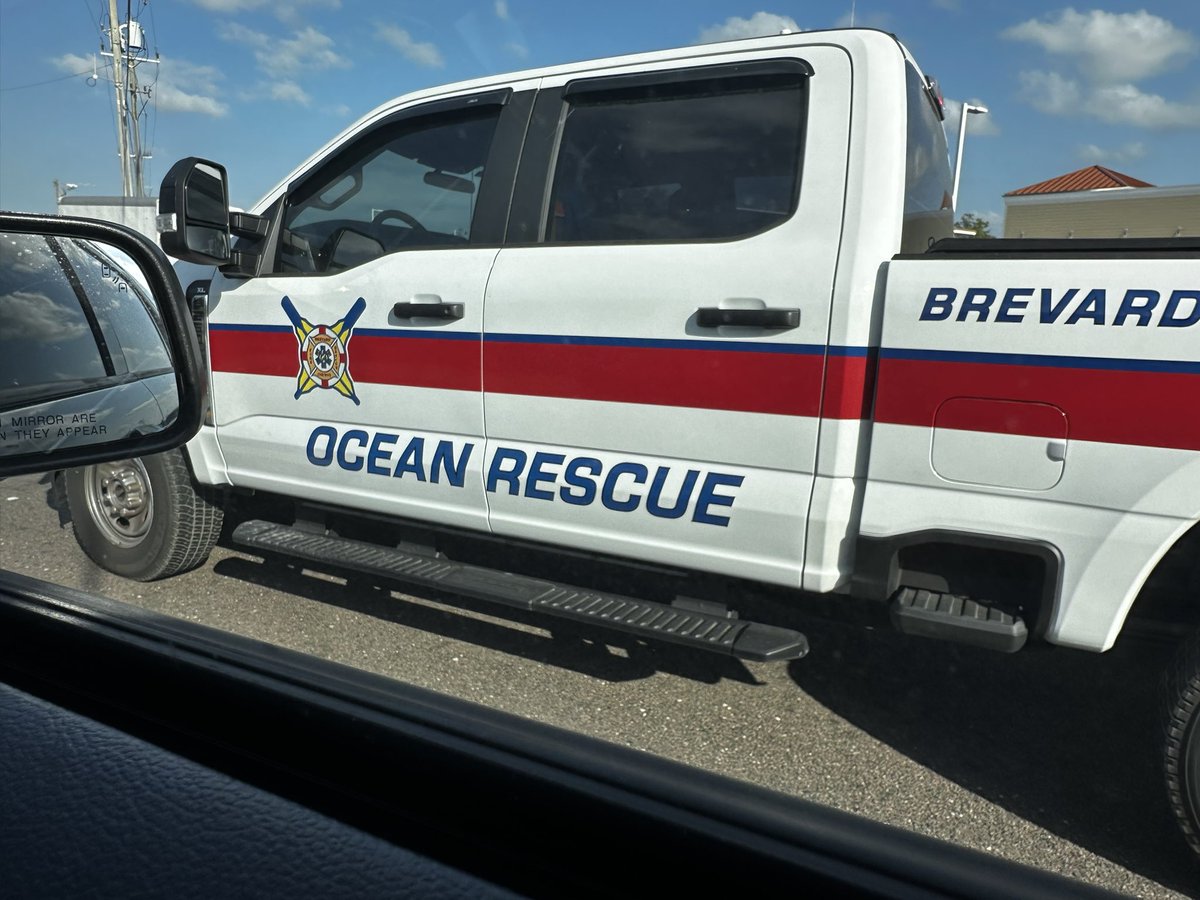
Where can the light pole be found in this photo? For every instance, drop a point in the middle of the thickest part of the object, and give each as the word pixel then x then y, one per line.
pixel 967 109
pixel 61 190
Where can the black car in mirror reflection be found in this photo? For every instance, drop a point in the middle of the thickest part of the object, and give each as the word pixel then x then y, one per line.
pixel 83 353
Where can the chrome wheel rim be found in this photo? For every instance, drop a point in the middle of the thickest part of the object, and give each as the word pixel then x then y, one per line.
pixel 119 500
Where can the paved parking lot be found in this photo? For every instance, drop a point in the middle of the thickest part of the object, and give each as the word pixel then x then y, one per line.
pixel 1048 757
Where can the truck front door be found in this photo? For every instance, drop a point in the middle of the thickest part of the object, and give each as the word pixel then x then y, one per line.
pixel 349 372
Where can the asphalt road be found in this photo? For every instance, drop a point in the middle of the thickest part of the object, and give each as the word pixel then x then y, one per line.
pixel 1048 757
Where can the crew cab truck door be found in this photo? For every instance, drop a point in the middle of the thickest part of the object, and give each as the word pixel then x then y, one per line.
pixel 349 373
pixel 657 321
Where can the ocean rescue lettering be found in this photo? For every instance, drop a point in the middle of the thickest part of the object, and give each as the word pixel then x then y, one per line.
pixel 1139 307
pixel 623 487
pixel 357 451
pixel 662 491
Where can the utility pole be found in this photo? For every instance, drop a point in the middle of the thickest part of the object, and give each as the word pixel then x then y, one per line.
pixel 128 45
pixel 119 81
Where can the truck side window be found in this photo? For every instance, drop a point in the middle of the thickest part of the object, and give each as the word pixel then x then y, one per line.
pixel 412 184
pixel 707 159
pixel 927 178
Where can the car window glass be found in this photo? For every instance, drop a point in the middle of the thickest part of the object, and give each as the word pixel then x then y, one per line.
pixel 699 160
pixel 927 182
pixel 45 335
pixel 413 184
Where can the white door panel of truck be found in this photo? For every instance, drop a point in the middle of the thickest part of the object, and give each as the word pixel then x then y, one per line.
pixel 351 373
pixel 620 410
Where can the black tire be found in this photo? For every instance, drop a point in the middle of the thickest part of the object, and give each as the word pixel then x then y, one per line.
pixel 1182 732
pixel 143 518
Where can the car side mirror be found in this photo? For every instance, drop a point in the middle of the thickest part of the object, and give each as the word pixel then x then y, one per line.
pixel 193 212
pixel 98 356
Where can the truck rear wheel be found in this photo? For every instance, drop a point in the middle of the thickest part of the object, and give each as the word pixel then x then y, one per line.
pixel 143 518
pixel 1182 751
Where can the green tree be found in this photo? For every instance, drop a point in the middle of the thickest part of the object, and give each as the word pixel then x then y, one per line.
pixel 970 222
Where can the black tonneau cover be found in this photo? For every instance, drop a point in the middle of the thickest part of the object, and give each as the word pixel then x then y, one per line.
pixel 1111 248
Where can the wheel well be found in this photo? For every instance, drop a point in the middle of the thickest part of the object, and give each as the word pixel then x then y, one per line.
pixel 1169 593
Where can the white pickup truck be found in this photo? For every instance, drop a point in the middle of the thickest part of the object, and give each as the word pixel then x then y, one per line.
pixel 699 309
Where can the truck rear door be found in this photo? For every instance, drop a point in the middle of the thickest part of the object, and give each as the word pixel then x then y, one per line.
pixel 657 321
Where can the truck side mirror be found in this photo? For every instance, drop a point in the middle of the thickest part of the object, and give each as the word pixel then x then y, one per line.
pixel 98 355
pixel 193 212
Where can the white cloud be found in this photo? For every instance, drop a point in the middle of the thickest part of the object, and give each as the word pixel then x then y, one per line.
pixel 978 124
pixel 180 86
pixel 308 50
pixel 502 9
pixel 517 49
pixel 285 10
pixel 172 99
pixel 281 91
pixel 1110 47
pixel 758 25
pixel 1116 104
pixel 288 92
pixel 1051 93
pixel 233 31
pixel 188 88
pixel 1125 104
pixel 73 63
pixel 230 6
pixel 420 52
pixel 1126 153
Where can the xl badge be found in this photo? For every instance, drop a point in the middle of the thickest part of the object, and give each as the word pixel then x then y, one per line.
pixel 324 353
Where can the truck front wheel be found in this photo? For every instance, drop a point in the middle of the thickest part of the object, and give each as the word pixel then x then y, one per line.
pixel 143 518
pixel 1182 751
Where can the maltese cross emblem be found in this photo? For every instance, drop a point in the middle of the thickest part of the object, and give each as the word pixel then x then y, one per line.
pixel 324 351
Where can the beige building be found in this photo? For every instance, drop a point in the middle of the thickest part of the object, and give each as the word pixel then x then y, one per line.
pixel 1098 202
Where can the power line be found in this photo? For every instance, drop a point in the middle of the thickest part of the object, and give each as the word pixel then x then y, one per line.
pixel 22 87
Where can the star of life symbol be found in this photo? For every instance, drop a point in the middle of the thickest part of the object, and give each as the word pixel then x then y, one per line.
pixel 324 351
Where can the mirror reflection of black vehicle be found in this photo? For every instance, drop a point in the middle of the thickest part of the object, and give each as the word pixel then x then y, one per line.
pixel 145 755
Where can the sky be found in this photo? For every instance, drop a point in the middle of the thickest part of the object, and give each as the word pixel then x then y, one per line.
pixel 258 85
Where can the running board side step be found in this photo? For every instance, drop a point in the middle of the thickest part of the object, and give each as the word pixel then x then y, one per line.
pixel 952 617
pixel 647 619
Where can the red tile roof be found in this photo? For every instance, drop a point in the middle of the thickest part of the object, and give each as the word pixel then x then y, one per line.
pixel 1089 179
